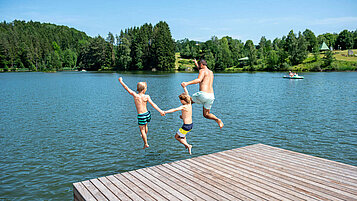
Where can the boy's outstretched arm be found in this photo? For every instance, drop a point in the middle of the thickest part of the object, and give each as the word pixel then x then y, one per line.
pixel 174 110
pixel 131 92
pixel 155 106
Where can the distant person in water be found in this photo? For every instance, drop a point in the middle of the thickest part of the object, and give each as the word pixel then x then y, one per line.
pixel 291 74
pixel 206 95
pixel 141 99
pixel 186 110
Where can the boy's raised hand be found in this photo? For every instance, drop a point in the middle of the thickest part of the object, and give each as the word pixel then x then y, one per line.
pixel 120 79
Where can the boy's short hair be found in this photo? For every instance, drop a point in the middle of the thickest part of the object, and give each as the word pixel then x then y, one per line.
pixel 187 98
pixel 203 62
pixel 141 86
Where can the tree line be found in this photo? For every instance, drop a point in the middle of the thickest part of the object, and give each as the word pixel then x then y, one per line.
pixel 47 47
pixel 278 54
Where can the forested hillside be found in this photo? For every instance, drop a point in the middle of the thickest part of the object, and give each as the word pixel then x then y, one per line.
pixel 39 46
pixel 35 46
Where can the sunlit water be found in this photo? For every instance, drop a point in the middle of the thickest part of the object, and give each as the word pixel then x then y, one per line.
pixel 61 128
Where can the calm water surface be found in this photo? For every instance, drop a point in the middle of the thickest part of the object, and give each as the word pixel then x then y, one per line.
pixel 61 128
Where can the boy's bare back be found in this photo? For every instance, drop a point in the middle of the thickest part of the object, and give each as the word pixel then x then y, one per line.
pixel 141 101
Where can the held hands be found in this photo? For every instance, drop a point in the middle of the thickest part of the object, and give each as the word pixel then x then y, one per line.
pixel 162 113
pixel 120 79
pixel 184 84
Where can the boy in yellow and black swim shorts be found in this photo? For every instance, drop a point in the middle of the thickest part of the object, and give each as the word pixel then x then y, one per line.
pixel 186 109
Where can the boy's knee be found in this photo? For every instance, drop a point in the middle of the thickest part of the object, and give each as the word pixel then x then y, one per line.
pixel 205 114
pixel 177 137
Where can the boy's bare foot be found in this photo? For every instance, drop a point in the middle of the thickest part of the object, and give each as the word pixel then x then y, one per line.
pixel 220 123
pixel 146 146
pixel 189 149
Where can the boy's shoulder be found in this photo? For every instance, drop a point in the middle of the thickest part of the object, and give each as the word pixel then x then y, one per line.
pixel 145 97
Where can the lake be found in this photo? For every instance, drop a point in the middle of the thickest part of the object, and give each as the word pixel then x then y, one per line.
pixel 61 128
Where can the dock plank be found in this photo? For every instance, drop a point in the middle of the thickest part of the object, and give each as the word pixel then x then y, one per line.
pixel 254 182
pixel 255 172
pixel 313 186
pixel 126 186
pixel 117 192
pixel 308 172
pixel 81 192
pixel 190 186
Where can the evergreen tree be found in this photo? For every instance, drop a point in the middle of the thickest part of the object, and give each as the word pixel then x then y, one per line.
pixel 310 39
pixel 224 56
pixel 251 52
pixel 163 47
pixel 124 50
pixel 111 41
pixel 355 39
pixel 3 61
pixel 296 48
pixel 209 57
pixel 272 60
pixel 328 59
pixel 302 49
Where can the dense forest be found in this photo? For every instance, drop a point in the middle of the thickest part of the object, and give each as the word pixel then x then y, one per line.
pixel 38 46
pixel 35 46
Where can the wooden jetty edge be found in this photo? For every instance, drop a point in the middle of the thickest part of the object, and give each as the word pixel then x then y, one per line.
pixel 255 172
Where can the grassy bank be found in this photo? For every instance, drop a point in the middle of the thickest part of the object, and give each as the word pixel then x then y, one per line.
pixel 341 62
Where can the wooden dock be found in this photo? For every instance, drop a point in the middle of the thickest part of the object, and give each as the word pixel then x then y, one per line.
pixel 256 172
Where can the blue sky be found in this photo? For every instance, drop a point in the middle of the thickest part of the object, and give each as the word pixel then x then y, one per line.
pixel 195 20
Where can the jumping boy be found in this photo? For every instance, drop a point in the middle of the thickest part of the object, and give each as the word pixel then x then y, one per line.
pixel 186 109
pixel 144 116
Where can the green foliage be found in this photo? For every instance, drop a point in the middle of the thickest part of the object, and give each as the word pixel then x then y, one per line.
pixel 251 52
pixel 37 46
pixel 344 40
pixel 146 48
pixel 224 57
pixel 328 59
pixel 272 60
pixel 163 47
pixel 310 39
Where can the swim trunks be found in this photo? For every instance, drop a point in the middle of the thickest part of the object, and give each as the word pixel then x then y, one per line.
pixel 184 130
pixel 204 98
pixel 144 118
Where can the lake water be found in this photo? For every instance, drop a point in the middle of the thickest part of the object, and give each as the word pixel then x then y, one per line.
pixel 61 128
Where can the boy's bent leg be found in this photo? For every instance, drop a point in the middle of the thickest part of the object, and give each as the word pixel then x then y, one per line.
pixel 146 129
pixel 184 142
pixel 208 115
pixel 144 136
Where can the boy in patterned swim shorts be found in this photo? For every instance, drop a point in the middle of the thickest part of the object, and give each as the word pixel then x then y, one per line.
pixel 186 109
pixel 141 99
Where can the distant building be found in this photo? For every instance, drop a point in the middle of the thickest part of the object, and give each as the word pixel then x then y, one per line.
pixel 324 47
